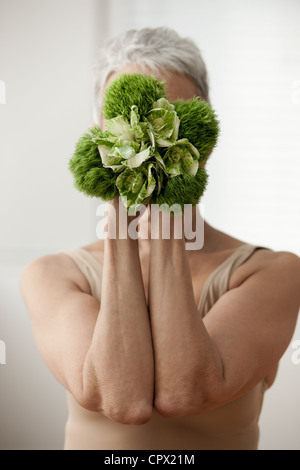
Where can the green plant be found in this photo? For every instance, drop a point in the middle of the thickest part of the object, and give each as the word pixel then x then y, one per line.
pixel 151 150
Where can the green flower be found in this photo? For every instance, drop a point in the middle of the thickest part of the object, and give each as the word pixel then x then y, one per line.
pixel 119 128
pixel 163 123
pixel 137 127
pixel 181 157
pixel 136 186
pixel 122 145
pixel 137 149
pixel 118 158
pixel 150 150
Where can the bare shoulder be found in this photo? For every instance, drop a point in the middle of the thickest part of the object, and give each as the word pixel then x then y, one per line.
pixel 58 270
pixel 282 267
pixel 46 266
pixel 53 271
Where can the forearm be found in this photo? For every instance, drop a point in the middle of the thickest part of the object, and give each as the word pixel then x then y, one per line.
pixel 121 355
pixel 187 366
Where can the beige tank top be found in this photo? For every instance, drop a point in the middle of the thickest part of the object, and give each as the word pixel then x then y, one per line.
pixel 230 427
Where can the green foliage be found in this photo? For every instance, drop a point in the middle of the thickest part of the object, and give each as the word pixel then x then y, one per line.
pixel 90 177
pixel 182 189
pixel 198 124
pixel 151 149
pixel 136 186
pixel 128 90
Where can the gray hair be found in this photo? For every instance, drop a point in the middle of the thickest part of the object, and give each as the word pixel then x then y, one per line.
pixel 153 48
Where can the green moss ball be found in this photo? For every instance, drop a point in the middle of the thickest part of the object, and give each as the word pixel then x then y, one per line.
pixel 90 177
pixel 198 123
pixel 183 189
pixel 132 89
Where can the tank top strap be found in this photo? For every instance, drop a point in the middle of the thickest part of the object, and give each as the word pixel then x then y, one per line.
pixel 217 282
pixel 90 268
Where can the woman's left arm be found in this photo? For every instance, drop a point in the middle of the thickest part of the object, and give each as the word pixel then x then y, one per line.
pixel 202 364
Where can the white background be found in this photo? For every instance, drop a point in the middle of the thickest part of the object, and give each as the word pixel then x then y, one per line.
pixel 47 50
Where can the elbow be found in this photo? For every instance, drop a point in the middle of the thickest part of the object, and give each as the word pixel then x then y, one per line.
pixel 135 414
pixel 132 413
pixel 192 397
pixel 179 406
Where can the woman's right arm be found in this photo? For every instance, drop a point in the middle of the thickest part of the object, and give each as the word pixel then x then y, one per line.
pixel 102 355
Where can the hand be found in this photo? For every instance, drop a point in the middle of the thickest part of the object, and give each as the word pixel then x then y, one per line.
pixel 165 225
pixel 121 224
pixel 188 226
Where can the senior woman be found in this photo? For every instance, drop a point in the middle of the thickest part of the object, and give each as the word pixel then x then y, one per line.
pixel 160 347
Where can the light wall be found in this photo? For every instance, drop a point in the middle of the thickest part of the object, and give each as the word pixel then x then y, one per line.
pixel 47 49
